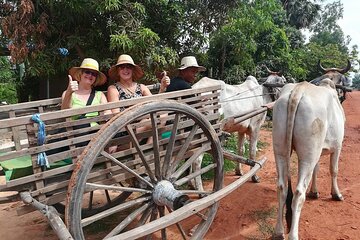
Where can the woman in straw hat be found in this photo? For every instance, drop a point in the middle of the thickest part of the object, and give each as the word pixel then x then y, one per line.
pixel 125 72
pixel 187 74
pixel 81 82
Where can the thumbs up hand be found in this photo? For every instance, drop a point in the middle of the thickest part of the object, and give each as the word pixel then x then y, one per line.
pixel 73 85
pixel 165 81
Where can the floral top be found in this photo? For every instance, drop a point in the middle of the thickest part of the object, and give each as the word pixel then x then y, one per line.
pixel 126 94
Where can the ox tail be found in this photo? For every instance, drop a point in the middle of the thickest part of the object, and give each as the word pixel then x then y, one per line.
pixel 288 214
pixel 293 103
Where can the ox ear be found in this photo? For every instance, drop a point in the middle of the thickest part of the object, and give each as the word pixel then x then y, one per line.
pixel 345 80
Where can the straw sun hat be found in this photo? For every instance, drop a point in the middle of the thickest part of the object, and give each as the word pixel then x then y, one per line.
pixel 125 59
pixel 190 61
pixel 88 64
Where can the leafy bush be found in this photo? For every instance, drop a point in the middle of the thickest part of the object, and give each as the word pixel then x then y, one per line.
pixel 8 93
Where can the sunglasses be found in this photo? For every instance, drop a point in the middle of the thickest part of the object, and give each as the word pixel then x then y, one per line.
pixel 94 74
pixel 123 66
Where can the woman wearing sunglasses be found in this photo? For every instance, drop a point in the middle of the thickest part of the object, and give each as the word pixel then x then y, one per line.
pixel 80 88
pixel 125 73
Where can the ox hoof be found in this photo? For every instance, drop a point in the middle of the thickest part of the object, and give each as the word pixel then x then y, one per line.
pixel 312 195
pixel 337 197
pixel 238 172
pixel 255 179
pixel 278 237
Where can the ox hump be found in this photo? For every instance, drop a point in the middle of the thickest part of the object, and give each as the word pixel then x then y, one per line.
pixel 252 79
pixel 326 82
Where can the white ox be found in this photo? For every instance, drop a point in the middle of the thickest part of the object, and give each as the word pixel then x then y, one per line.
pixel 310 120
pixel 240 99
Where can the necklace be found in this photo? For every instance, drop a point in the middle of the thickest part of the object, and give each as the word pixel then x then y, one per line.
pixel 128 90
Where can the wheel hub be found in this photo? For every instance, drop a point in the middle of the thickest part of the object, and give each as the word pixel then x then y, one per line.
pixel 166 195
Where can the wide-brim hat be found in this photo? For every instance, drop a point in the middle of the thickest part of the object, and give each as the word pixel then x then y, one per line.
pixel 190 61
pixel 125 59
pixel 90 64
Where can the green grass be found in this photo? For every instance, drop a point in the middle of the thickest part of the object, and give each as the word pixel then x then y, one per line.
pixel 231 146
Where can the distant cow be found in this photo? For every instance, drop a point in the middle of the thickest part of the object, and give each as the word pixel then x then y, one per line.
pixel 237 100
pixel 310 120
pixel 337 76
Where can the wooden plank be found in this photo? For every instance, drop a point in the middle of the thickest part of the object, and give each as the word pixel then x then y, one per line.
pixel 16 133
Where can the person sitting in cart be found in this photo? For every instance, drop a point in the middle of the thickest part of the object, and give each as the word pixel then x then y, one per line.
pixel 188 70
pixel 126 73
pixel 82 81
pixel 80 93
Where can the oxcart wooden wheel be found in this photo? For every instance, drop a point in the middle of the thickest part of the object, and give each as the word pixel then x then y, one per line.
pixel 160 189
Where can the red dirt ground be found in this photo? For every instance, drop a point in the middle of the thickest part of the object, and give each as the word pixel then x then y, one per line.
pixel 250 211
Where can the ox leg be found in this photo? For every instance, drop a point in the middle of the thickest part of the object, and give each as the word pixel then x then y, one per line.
pixel 196 166
pixel 241 141
pixel 282 190
pixel 335 192
pixel 253 147
pixel 304 176
pixel 313 193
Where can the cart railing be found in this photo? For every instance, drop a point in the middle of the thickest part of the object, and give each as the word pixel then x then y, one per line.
pixel 40 106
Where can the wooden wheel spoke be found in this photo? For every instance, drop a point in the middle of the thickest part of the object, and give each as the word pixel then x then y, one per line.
pixel 127 220
pixel 145 216
pixel 190 161
pixel 179 227
pixel 113 210
pixel 91 198
pixel 183 149
pixel 156 146
pixel 170 146
pixel 162 214
pixel 94 186
pixel 191 176
pixel 109 156
pixel 108 199
pixel 153 217
pixel 140 152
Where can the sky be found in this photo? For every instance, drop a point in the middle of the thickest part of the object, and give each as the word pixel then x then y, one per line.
pixel 350 21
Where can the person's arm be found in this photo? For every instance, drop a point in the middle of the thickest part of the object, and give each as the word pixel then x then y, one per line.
pixel 113 96
pixel 66 96
pixel 165 81
pixel 144 90
pixel 104 100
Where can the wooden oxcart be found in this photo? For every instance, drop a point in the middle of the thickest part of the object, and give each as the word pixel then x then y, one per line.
pixel 142 190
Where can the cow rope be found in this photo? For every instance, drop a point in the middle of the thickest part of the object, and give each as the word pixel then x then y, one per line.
pixel 228 99
pixel 242 98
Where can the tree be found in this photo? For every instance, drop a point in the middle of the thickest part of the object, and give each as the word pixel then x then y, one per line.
pixel 249 39
pixel 301 13
pixel 7 82
pixel 356 81
pixel 51 36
